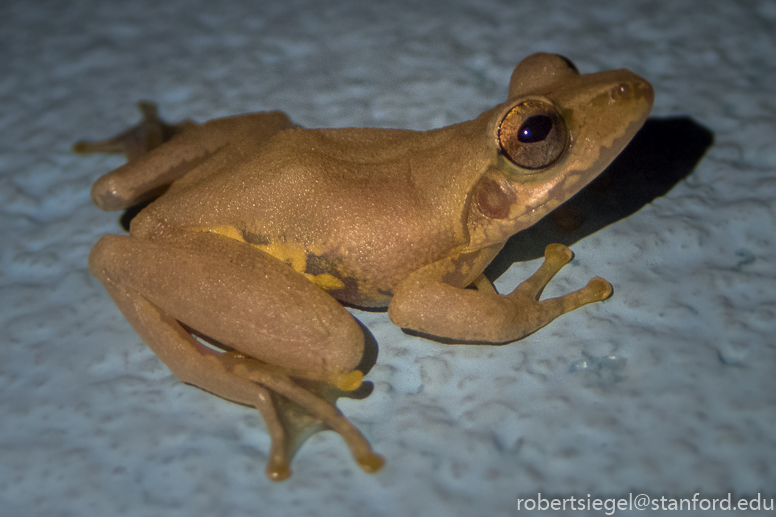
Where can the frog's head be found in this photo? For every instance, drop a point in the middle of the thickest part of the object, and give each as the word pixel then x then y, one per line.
pixel 557 132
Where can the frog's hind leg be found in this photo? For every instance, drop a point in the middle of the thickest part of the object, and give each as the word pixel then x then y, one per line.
pixel 159 153
pixel 147 135
pixel 136 182
pixel 296 414
pixel 243 295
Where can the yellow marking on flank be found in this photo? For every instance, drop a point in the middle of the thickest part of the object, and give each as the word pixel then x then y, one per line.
pixel 326 281
pixel 289 252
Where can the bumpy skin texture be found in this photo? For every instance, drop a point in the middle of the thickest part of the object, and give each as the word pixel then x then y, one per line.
pixel 260 228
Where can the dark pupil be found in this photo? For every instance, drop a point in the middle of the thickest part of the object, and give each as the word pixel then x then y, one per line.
pixel 534 129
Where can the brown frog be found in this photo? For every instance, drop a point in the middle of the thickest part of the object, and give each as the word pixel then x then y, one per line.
pixel 260 229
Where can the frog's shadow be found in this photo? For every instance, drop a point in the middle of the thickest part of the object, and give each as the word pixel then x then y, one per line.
pixel 663 152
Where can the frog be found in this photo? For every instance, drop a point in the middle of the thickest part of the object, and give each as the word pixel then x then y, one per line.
pixel 257 233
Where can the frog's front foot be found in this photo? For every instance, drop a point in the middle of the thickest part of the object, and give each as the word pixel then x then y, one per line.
pixel 535 313
pixel 147 135
pixel 555 257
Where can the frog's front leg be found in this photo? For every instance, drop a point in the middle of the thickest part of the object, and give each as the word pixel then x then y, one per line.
pixel 280 325
pixel 424 303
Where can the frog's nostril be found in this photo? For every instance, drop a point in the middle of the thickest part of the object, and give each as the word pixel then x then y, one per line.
pixel 638 88
pixel 621 91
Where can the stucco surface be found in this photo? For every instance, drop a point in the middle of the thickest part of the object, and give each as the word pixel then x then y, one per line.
pixel 665 389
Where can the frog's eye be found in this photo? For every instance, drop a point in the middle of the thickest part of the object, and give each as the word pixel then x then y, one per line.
pixel 532 135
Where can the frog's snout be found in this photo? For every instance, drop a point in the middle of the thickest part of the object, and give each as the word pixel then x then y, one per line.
pixel 632 88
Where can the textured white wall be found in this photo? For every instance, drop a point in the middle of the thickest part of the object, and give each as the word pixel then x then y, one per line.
pixel 666 389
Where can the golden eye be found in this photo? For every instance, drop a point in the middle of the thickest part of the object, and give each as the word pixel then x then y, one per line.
pixel 532 135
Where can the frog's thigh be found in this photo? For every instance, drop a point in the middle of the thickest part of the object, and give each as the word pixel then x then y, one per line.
pixel 146 176
pixel 237 295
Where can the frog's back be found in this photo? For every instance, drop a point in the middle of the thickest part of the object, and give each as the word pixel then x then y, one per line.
pixel 309 177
